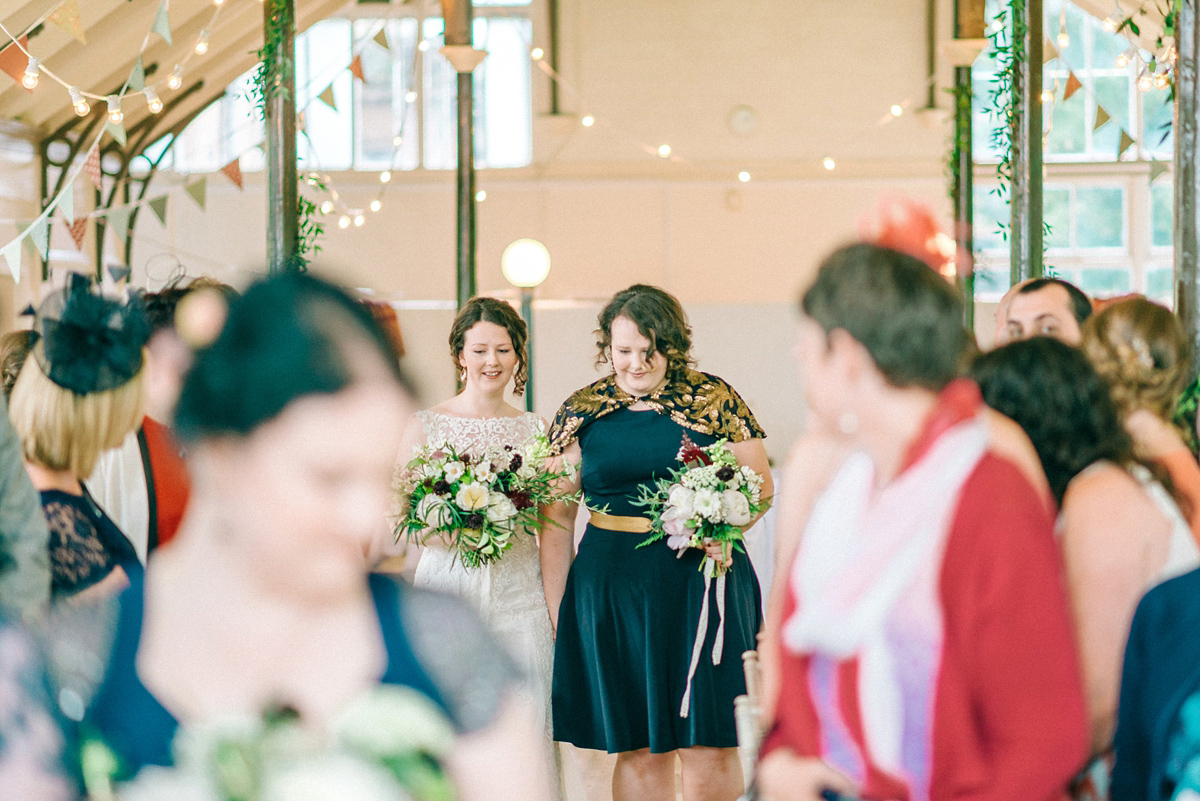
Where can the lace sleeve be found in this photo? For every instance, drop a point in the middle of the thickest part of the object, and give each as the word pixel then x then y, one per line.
pixel 78 557
pixel 471 670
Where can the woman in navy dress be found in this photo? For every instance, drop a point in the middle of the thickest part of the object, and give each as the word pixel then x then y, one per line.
pixel 293 418
pixel 627 617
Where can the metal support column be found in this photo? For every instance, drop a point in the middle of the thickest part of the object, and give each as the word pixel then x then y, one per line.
pixel 969 35
pixel 458 15
pixel 279 19
pixel 1187 179
pixel 1025 233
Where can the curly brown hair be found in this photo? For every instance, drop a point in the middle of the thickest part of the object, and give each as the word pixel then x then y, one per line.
pixel 497 312
pixel 1141 351
pixel 659 317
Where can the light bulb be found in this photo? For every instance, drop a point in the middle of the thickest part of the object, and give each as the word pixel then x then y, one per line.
pixel 424 45
pixel 176 79
pixel 1145 83
pixel 385 176
pixel 218 2
pixel 30 79
pixel 664 151
pixel 481 196
pixel 829 163
pixel 410 97
pixel 359 220
pixel 1047 96
pixel 115 115
pixel 1162 80
pixel 537 53
pixel 398 141
pixel 343 221
pixel 153 103
pixel 1064 40
pixel 1110 25
pixel 1123 60
pixel 327 207
pixel 744 177
pixel 376 205
pixel 588 121
pixel 897 110
pixel 82 108
pixel 202 43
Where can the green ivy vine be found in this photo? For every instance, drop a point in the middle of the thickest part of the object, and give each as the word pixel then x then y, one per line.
pixel 1008 48
pixel 271 77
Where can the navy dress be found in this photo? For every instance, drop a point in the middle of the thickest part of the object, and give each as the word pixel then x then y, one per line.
pixel 434 645
pixel 629 615
pixel 85 544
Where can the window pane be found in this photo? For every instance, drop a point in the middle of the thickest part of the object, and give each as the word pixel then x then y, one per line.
pixel 991 282
pixel 383 113
pixel 1160 284
pixel 1157 117
pixel 990 212
pixel 504 130
pixel 1056 211
pixel 1100 217
pixel 1106 281
pixel 1162 211
pixel 322 54
pixel 440 101
pixel 1113 94
pixel 1069 126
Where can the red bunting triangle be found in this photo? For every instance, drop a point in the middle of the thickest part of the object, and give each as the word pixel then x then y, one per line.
pixel 233 170
pixel 356 68
pixel 78 229
pixel 92 168
pixel 1073 86
pixel 14 61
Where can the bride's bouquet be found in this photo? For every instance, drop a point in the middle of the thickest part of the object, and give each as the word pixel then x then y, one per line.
pixel 707 500
pixel 478 503
pixel 390 744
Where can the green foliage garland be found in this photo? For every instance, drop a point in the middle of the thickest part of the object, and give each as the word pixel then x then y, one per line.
pixel 271 76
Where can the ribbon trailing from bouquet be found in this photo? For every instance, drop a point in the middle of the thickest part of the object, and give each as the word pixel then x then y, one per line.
pixel 702 632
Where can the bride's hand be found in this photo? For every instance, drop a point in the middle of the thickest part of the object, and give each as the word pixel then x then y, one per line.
pixel 720 552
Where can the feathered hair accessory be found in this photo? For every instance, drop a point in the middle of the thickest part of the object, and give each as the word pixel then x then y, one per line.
pixel 89 342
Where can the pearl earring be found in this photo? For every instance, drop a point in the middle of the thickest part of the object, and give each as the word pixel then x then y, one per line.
pixel 463 375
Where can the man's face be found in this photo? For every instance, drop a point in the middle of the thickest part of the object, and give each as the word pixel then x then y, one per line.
pixel 1045 312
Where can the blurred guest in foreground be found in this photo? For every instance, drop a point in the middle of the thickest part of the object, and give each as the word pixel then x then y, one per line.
pixel 1141 351
pixel 1049 307
pixel 80 394
pixel 926 646
pixel 263 606
pixel 1119 530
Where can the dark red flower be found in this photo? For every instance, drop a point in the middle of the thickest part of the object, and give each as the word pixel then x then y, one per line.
pixel 521 500
pixel 474 520
pixel 516 462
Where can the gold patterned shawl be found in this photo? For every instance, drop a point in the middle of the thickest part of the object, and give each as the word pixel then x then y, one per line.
pixel 695 400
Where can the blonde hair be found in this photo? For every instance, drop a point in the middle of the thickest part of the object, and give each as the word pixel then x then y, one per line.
pixel 1140 349
pixel 61 430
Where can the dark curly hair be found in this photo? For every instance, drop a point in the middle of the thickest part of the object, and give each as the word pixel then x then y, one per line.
pixel 908 317
pixel 14 348
pixel 497 312
pixel 659 317
pixel 1052 391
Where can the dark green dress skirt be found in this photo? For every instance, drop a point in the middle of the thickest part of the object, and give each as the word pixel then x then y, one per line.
pixel 629 615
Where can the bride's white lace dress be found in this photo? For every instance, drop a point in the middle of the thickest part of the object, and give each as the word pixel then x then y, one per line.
pixel 508 593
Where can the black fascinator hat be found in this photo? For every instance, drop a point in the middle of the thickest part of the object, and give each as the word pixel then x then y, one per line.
pixel 90 342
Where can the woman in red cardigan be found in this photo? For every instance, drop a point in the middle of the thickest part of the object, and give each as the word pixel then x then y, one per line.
pixel 925 649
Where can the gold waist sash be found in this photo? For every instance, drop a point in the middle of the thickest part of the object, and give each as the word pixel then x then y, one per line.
pixel 628 525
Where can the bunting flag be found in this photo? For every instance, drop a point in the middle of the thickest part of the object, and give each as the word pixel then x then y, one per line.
pixel 66 203
pixel 233 171
pixel 1157 168
pixel 356 68
pixel 12 255
pixel 1073 86
pixel 198 189
pixel 92 167
pixel 1101 118
pixel 158 205
pixel 23 238
pixel 36 236
pixel 118 221
pixel 28 311
pixel 119 273
pixel 1125 144
pixel 116 131
pixel 1049 51
pixel 137 78
pixel 66 17
pixel 13 60
pixel 381 38
pixel 327 97
pixel 162 25
pixel 78 230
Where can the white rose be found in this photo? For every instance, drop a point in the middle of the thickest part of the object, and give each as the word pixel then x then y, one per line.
pixel 707 504
pixel 735 508
pixel 393 719
pixel 483 473
pixel 454 471
pixel 435 512
pixel 335 777
pixel 500 508
pixel 682 500
pixel 471 497
pixel 527 472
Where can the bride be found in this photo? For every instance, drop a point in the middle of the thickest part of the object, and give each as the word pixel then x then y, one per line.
pixel 487 342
